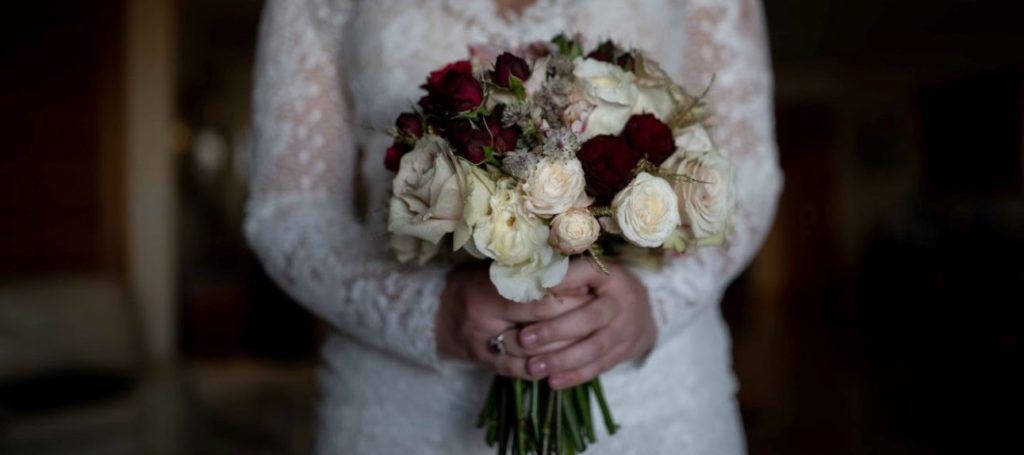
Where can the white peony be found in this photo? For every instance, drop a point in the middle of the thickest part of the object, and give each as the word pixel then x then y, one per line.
pixel 426 198
pixel 574 231
pixel 646 211
pixel 611 90
pixel 706 193
pixel 554 186
pixel 524 264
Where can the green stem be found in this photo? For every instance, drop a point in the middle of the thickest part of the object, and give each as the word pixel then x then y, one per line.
pixel 519 446
pixel 568 407
pixel 583 400
pixel 503 420
pixel 606 412
pixel 549 408
pixel 559 435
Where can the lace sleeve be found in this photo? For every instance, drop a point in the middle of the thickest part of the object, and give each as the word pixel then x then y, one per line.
pixel 726 39
pixel 301 216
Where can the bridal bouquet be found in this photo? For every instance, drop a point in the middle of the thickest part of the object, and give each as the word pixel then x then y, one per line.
pixel 528 157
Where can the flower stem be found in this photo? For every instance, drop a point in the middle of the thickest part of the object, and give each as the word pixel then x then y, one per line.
pixel 606 412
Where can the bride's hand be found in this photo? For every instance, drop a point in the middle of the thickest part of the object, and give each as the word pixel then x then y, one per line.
pixel 617 325
pixel 472 312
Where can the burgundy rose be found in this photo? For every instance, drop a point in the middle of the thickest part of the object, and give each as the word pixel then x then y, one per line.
pixel 452 89
pixel 650 137
pixel 610 53
pixel 608 164
pixel 605 52
pixel 470 138
pixel 393 156
pixel 409 124
pixel 509 65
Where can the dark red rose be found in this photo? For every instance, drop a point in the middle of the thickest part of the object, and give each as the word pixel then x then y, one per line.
pixel 649 136
pixel 470 138
pixel 605 52
pixel 509 65
pixel 610 53
pixel 451 90
pixel 627 62
pixel 393 156
pixel 608 164
pixel 409 124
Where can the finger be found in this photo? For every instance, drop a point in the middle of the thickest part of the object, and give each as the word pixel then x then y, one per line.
pixel 513 367
pixel 575 324
pixel 582 273
pixel 550 306
pixel 574 356
pixel 589 371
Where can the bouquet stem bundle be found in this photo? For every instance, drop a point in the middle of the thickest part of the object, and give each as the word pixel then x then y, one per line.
pixel 524 417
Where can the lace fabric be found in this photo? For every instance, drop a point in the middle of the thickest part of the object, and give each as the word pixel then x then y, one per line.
pixel 332 73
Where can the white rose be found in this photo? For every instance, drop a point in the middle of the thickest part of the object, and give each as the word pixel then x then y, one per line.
pixel 411 249
pixel 646 211
pixel 693 139
pixel 554 186
pixel 611 90
pixel 574 231
pixel 657 93
pixel 478 190
pixel 524 264
pixel 706 193
pixel 426 194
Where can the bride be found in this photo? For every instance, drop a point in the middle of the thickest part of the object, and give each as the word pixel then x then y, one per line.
pixel 407 364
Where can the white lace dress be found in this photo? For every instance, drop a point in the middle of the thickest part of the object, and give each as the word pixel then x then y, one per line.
pixel 327 69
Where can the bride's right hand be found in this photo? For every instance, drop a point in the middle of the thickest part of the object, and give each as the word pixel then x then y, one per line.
pixel 472 313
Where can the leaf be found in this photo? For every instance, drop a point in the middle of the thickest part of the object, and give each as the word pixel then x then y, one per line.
pixel 516 85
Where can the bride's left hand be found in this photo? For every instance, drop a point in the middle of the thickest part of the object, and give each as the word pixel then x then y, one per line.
pixel 616 326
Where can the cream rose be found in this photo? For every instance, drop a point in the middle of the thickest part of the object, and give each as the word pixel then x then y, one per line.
pixel 646 211
pixel 479 186
pixel 706 193
pixel 427 193
pixel 657 93
pixel 554 186
pixel 611 90
pixel 524 264
pixel 411 249
pixel 574 231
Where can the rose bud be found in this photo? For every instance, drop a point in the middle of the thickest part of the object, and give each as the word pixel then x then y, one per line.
pixel 608 164
pixel 509 65
pixel 573 231
pixel 605 52
pixel 649 136
pixel 627 62
pixel 393 155
pixel 504 137
pixel 452 89
pixel 468 140
pixel 409 124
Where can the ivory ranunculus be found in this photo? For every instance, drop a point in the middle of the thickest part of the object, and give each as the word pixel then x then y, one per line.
pixel 554 186
pixel 524 264
pixel 426 195
pixel 706 193
pixel 574 231
pixel 612 92
pixel 646 211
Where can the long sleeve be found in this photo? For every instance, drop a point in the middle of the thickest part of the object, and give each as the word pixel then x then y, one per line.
pixel 726 38
pixel 302 214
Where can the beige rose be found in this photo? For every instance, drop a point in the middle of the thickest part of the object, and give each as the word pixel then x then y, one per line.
pixel 646 211
pixel 426 194
pixel 574 231
pixel 706 193
pixel 524 264
pixel 554 186
pixel 612 92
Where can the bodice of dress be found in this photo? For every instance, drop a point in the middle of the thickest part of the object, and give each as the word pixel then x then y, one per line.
pixel 332 74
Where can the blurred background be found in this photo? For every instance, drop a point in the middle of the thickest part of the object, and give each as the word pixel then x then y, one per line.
pixel 883 315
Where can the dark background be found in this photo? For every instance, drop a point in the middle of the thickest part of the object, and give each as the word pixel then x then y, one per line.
pixel 882 316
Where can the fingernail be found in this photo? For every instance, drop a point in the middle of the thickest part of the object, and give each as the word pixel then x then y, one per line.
pixel 529 338
pixel 556 381
pixel 538 368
